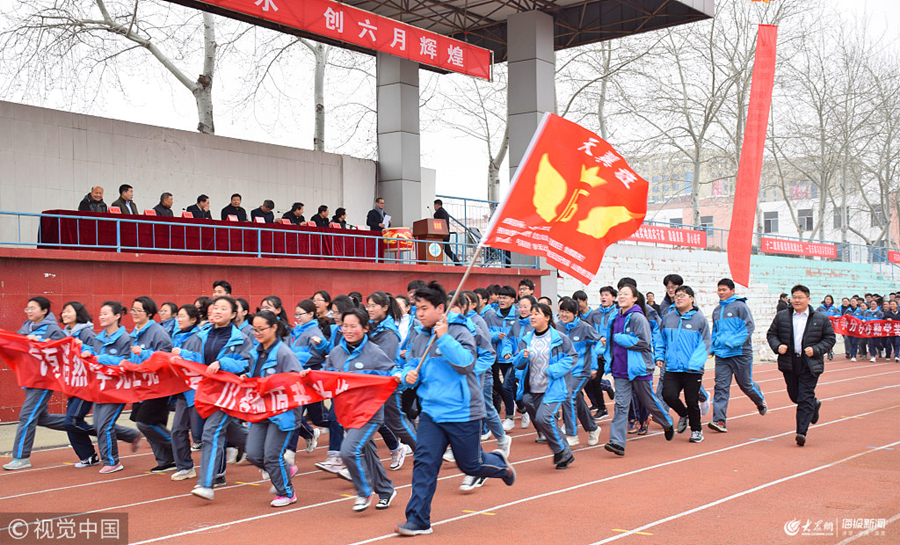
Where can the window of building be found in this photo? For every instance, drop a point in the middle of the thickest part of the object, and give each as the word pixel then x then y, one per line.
pixel 678 222
pixel 878 218
pixel 839 215
pixel 706 222
pixel 805 219
pixel 770 222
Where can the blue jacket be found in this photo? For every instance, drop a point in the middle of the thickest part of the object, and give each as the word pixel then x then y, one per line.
pixel 479 323
pixel 232 357
pixel 732 328
pixel 448 388
pixel 386 335
pixel 170 326
pixel 584 339
pixel 151 338
pixel 684 342
pixel 45 330
pixel 301 344
pixel 833 310
pixel 498 324
pixel 870 315
pixel 519 329
pixel 179 337
pixel 83 332
pixel 562 359
pixel 111 349
pixel 280 359
pixel 635 338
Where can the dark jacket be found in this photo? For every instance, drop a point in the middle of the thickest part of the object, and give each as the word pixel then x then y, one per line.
pixel 782 305
pixel 268 217
pixel 163 211
pixel 88 204
pixel 234 211
pixel 199 212
pixel 442 214
pixel 292 218
pixel 373 218
pixel 320 221
pixel 120 202
pixel 818 334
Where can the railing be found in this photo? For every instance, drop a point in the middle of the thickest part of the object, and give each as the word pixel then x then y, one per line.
pixel 147 235
pixel 476 213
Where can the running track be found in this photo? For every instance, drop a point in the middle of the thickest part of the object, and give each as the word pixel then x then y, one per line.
pixel 739 487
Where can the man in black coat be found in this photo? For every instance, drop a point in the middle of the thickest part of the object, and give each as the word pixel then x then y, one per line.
pixel 440 213
pixel 375 217
pixel 164 208
pixel 782 303
pixel 93 201
pixel 801 337
pixel 234 209
pixel 201 209
pixel 264 211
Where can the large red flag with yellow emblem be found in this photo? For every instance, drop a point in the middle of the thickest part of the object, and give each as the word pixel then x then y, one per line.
pixel 571 198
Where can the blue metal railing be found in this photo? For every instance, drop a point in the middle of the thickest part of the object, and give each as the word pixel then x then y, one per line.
pixel 145 234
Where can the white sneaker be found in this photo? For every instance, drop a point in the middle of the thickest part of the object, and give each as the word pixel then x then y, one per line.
pixel 361 504
pixel 345 474
pixel 508 424
pixel 313 441
pixel 872 359
pixel 333 464
pixel 407 448
pixel 17 463
pixel 289 456
pixel 231 454
pixel 471 483
pixel 203 492
pixel 506 445
pixel 573 440
pixel 448 455
pixel 696 437
pixel 852 359
pixel 486 436
pixel 704 406
pixel 88 462
pixel 526 420
pixel 184 474
pixel 397 457
pixel 594 437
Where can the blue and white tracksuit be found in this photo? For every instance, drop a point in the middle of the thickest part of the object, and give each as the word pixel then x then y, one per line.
pixel 683 346
pixel 731 344
pixel 309 358
pixel 386 336
pixel 153 414
pixel 184 405
pixel 500 324
pixel 584 339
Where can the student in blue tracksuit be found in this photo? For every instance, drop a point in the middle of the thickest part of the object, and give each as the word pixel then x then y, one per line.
pixel 600 319
pixel 887 341
pixel 111 346
pixel 828 308
pixel 223 349
pixel 851 343
pixel 683 347
pixel 383 332
pixel 452 405
pixel 242 320
pixel 307 326
pixel 875 343
pixel 584 339
pixel 267 441
pixel 628 358
pixel 167 317
pixel 40 325
pixel 501 322
pixel 584 310
pixel 732 333
pixel 545 359
pixel 152 415
pixel 355 353
pixel 893 315
pixel 184 336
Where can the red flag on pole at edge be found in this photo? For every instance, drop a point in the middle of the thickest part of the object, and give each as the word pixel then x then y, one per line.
pixel 570 199
pixel 746 194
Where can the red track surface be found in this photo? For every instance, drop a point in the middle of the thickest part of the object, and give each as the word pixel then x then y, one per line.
pixel 739 487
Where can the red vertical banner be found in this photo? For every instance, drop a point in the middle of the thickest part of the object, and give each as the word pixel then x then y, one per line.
pixel 746 195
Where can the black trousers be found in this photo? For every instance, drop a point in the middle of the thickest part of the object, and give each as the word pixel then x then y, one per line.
pixel 673 385
pixel 801 387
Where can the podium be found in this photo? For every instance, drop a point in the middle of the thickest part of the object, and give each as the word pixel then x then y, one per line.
pixel 429 234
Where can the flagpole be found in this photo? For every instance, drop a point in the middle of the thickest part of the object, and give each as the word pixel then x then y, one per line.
pixel 453 299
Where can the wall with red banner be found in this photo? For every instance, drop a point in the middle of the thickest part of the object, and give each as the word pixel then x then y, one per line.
pixel 796 247
pixel 94 277
pixel 670 235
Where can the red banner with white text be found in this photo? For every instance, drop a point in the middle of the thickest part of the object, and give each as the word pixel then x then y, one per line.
pixel 365 29
pixel 854 327
pixel 58 365
pixel 796 247
pixel 670 235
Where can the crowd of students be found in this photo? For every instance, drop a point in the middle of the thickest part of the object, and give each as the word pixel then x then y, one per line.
pixel 465 364
pixel 871 306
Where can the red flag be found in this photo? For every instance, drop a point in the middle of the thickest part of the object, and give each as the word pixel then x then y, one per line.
pixel 571 198
pixel 740 236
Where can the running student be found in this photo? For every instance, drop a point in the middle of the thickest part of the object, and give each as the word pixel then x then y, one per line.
pixel 452 405
pixel 111 346
pixel 40 325
pixel 222 348
pixel 683 348
pixel 600 319
pixel 545 359
pixel 500 322
pixel 267 441
pixel 628 358
pixel 584 339
pixel 521 328
pixel 184 336
pixel 732 331
pixel 307 326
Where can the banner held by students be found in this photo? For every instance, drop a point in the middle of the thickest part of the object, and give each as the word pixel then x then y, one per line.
pixel 571 198
pixel 854 327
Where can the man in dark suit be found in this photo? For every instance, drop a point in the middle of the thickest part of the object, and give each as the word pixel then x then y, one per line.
pixel 164 208
pixel 440 213
pixel 801 337
pixel 125 202
pixel 375 217
pixel 782 303
pixel 295 214
pixel 321 217
pixel 201 209
pixel 264 211
pixel 234 209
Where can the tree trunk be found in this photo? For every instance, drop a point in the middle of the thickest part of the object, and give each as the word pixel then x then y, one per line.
pixel 203 90
pixel 321 54
pixel 695 191
pixel 494 168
